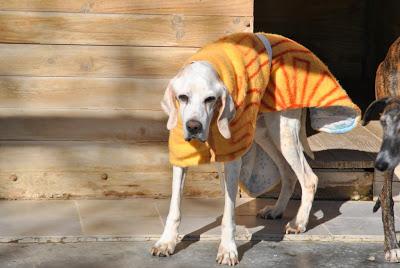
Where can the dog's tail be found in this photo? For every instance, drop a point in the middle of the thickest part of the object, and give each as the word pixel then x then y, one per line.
pixel 377 205
pixel 303 135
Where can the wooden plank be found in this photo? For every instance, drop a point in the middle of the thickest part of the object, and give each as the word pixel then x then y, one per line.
pixel 322 157
pixel 119 184
pixel 135 30
pixel 93 61
pixel 375 128
pixel 123 184
pixel 337 185
pixel 18 157
pixel 188 7
pixel 81 92
pixel 82 109
pixel 363 140
pixel 339 152
pixel 76 169
pixel 82 124
pixel 100 124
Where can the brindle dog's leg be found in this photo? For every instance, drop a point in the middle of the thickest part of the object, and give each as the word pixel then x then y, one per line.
pixel 392 250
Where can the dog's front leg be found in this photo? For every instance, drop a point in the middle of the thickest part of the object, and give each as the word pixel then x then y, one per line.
pixel 227 251
pixel 166 245
pixel 392 250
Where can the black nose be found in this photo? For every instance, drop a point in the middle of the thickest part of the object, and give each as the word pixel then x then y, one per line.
pixel 194 126
pixel 381 165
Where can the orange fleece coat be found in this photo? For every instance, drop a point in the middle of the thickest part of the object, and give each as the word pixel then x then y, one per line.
pixel 296 79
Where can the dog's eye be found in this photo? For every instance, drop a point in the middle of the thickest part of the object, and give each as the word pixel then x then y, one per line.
pixel 183 98
pixel 209 99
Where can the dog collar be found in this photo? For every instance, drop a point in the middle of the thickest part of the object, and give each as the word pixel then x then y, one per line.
pixel 267 46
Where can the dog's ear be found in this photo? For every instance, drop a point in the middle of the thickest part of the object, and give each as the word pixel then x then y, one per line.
pixel 375 109
pixel 226 113
pixel 169 106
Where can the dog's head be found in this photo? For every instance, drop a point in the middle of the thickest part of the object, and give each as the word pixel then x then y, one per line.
pixel 388 110
pixel 199 93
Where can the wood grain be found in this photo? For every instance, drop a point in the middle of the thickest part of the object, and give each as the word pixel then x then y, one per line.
pixel 192 7
pixel 82 156
pixel 76 170
pixel 83 125
pixel 81 92
pixel 119 184
pixel 355 149
pixel 124 184
pixel 337 185
pixel 134 30
pixel 73 169
pixel 375 128
pixel 93 61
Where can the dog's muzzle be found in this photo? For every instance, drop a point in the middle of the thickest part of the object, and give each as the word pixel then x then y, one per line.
pixel 194 129
pixel 381 165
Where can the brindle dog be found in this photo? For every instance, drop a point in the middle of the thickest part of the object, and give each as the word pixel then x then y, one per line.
pixel 387 88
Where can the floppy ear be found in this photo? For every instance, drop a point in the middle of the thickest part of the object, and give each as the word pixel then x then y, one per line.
pixel 375 109
pixel 226 114
pixel 168 105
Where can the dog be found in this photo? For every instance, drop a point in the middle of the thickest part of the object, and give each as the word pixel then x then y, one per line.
pixel 387 88
pixel 198 96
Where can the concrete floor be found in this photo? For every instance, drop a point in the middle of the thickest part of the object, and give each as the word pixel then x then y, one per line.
pixel 192 254
pixel 143 219
pixel 116 233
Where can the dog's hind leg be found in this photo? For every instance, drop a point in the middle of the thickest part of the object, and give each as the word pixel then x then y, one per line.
pixel 288 178
pixel 165 246
pixel 292 150
pixel 392 250
pixel 227 251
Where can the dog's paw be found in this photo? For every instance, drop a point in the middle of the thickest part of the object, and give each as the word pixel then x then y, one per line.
pixel 294 228
pixel 227 254
pixel 269 213
pixel 393 255
pixel 163 248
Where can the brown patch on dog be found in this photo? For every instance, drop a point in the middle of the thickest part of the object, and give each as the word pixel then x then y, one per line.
pixel 387 81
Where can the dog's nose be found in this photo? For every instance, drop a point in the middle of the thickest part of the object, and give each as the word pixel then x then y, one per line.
pixel 381 165
pixel 194 126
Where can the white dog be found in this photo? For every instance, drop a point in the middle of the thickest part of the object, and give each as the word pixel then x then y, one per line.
pixel 280 134
pixel 279 137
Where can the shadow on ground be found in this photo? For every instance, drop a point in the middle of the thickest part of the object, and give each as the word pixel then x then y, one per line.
pixel 266 231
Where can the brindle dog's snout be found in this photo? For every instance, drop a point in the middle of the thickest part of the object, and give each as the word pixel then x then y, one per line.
pixel 381 164
pixel 194 127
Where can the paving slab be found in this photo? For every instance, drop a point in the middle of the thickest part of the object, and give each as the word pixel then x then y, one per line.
pixel 193 254
pixel 144 218
pixel 119 217
pixel 39 218
pixel 200 217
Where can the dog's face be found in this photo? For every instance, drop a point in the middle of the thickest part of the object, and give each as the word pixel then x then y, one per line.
pixel 200 94
pixel 389 155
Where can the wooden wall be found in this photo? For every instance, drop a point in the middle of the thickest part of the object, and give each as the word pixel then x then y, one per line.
pixel 80 86
pixel 81 82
